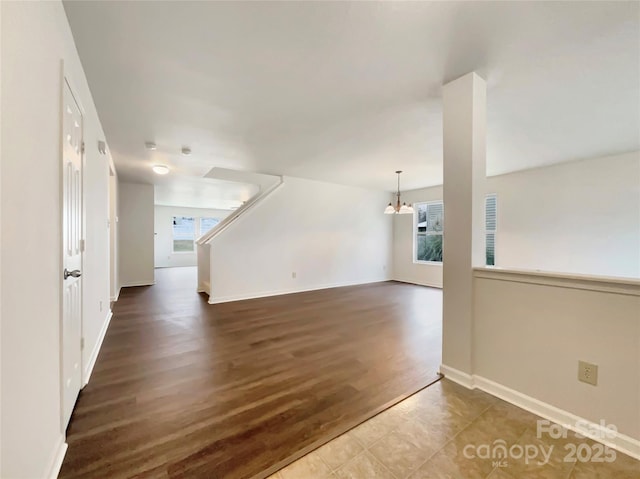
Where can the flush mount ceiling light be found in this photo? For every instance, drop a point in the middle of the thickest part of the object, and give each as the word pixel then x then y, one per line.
pixel 150 145
pixel 397 209
pixel 160 169
pixel 186 151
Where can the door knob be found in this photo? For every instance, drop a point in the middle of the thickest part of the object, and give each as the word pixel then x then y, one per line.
pixel 74 274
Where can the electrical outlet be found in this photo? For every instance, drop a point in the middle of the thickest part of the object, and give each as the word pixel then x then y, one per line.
pixel 100 306
pixel 294 274
pixel 588 373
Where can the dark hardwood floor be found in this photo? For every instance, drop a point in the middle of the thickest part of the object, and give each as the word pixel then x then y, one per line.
pixel 186 389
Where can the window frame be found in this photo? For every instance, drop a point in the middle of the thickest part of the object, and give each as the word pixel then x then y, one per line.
pixel 196 231
pixel 414 231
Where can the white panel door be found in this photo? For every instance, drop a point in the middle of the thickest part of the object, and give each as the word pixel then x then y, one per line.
pixel 71 253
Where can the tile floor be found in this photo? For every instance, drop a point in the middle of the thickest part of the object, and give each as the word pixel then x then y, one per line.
pixel 426 436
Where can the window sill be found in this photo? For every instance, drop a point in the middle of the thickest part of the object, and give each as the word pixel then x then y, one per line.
pixel 432 263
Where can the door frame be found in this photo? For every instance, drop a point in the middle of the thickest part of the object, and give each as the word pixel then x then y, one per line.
pixel 65 79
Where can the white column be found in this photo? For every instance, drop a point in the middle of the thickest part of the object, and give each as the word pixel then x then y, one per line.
pixel 464 128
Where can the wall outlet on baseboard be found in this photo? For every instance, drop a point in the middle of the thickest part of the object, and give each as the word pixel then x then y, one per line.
pixel 588 373
pixel 294 275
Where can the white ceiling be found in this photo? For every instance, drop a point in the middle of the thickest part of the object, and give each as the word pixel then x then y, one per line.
pixel 202 193
pixel 349 92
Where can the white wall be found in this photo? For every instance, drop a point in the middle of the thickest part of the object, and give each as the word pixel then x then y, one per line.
pixel 404 267
pixel 35 38
pixel 164 255
pixel 135 234
pixel 577 217
pixel 96 290
pixel 529 337
pixel 329 235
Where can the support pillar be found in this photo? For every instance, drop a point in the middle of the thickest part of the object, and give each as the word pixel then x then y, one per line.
pixel 464 130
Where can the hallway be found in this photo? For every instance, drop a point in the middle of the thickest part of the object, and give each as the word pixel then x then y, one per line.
pixel 186 389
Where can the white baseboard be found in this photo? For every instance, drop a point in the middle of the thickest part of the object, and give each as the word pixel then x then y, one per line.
pixel 419 283
pixel 204 288
pixel 618 441
pixel 139 283
pixel 457 376
pixel 96 350
pixel 264 294
pixel 115 298
pixel 58 456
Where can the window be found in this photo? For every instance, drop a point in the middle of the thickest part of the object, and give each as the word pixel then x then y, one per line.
pixel 184 234
pixel 491 223
pixel 186 229
pixel 429 225
pixel 206 224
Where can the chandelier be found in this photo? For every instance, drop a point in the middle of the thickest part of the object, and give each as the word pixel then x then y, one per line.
pixel 397 209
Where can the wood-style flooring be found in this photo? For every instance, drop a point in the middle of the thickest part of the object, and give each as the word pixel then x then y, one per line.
pixel 184 389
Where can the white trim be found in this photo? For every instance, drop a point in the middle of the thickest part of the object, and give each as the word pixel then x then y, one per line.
pixel 136 283
pixel 605 284
pixel 597 432
pixel 115 298
pixel 206 288
pixel 58 456
pixel 96 350
pixel 620 442
pixel 424 283
pixel 235 214
pixel 264 294
pixel 457 376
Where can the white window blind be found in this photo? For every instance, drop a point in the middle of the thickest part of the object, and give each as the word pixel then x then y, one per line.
pixel 491 224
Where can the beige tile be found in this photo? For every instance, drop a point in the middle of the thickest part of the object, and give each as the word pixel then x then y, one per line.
pixel 496 426
pixel 548 453
pixel 399 455
pixel 393 417
pixel 370 431
pixel 622 467
pixel 444 417
pixel 539 472
pixel 363 466
pixel 275 476
pixel 460 455
pixel 430 430
pixel 414 404
pixel 465 406
pixel 514 413
pixel 343 448
pixel 310 466
pixel 429 436
pixel 444 465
